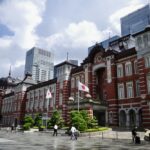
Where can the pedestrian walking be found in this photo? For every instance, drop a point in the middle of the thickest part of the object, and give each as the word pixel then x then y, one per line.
pixel 73 133
pixel 55 130
pixel 134 134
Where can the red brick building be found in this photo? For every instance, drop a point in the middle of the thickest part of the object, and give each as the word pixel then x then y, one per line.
pixel 118 79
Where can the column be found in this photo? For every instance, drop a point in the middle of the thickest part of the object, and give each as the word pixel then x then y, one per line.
pixel 137 119
pixel 128 120
pixel 106 117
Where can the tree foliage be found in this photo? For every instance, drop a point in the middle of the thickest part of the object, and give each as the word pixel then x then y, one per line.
pixel 56 119
pixel 38 120
pixel 28 122
pixel 82 121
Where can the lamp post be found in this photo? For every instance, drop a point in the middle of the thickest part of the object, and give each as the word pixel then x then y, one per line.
pixel 72 99
pixel 48 96
pixel 47 112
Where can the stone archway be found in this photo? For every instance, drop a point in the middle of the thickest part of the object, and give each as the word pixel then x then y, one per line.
pixel 132 118
pixel 122 118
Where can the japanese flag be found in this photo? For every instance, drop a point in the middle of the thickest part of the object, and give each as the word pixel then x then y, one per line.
pixel 48 94
pixel 83 87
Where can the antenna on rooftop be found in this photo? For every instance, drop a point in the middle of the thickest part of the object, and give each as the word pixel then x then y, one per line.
pixel 10 71
pixel 148 19
pixel 67 56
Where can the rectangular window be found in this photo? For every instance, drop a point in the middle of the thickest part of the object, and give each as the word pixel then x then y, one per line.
pixel 128 68
pixel 135 67
pixel 72 83
pixel 137 88
pixel 119 71
pixel 121 91
pixel 145 38
pixel 139 42
pixel 148 83
pixel 60 98
pixel 129 87
pixel 147 61
pixel 77 80
pixel 61 85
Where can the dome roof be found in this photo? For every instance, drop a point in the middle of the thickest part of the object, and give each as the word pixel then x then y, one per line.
pixel 7 82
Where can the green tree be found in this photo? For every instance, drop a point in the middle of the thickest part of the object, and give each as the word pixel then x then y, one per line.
pixel 82 121
pixel 38 120
pixel 56 119
pixel 28 122
pixel 78 120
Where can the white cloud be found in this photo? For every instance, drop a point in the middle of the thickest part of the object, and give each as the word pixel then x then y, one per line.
pixel 22 17
pixel 114 19
pixel 5 42
pixel 75 39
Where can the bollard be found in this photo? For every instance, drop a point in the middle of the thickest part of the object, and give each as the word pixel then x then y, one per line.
pixel 116 135
pixel 89 135
pixel 102 136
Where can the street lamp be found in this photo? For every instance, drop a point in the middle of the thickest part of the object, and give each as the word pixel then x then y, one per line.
pixel 48 96
pixel 88 95
pixel 71 98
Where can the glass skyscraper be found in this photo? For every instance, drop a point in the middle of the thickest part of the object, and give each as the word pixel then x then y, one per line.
pixel 135 21
pixel 40 63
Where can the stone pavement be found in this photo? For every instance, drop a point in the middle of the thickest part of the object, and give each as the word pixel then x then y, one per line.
pixel 45 141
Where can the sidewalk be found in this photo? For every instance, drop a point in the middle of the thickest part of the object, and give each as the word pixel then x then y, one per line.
pixel 108 134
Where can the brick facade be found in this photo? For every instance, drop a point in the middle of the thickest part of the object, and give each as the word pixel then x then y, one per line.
pixel 118 80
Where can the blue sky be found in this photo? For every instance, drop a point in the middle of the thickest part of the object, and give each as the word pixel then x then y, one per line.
pixel 59 26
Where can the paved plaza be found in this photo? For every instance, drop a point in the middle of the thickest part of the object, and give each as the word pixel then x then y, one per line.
pixel 45 141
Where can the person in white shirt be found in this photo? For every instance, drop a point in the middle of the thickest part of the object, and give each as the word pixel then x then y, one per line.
pixel 55 130
pixel 73 133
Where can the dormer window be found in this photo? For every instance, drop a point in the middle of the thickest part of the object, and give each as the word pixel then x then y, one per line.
pixel 145 39
pixel 139 42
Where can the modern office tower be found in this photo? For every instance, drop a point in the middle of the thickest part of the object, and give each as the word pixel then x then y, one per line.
pixel 135 21
pixel 70 61
pixel 104 43
pixel 40 63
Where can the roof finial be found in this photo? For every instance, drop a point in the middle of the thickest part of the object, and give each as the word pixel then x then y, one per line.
pixel 10 71
pixel 129 29
pixel 67 56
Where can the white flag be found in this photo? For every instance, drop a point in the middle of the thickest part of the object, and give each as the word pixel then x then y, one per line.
pixel 83 87
pixel 48 94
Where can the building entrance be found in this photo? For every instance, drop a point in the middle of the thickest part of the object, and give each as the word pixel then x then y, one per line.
pixel 100 116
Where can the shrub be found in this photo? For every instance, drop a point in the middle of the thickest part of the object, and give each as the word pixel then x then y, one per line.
pixel 79 123
pixel 28 122
pixel 26 126
pixel 56 119
pixel 41 128
pixel 81 120
pixel 38 120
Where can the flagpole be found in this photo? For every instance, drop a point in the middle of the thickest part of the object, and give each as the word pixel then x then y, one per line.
pixel 78 99
pixel 47 112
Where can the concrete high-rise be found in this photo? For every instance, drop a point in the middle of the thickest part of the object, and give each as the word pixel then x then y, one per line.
pixel 135 21
pixel 40 63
